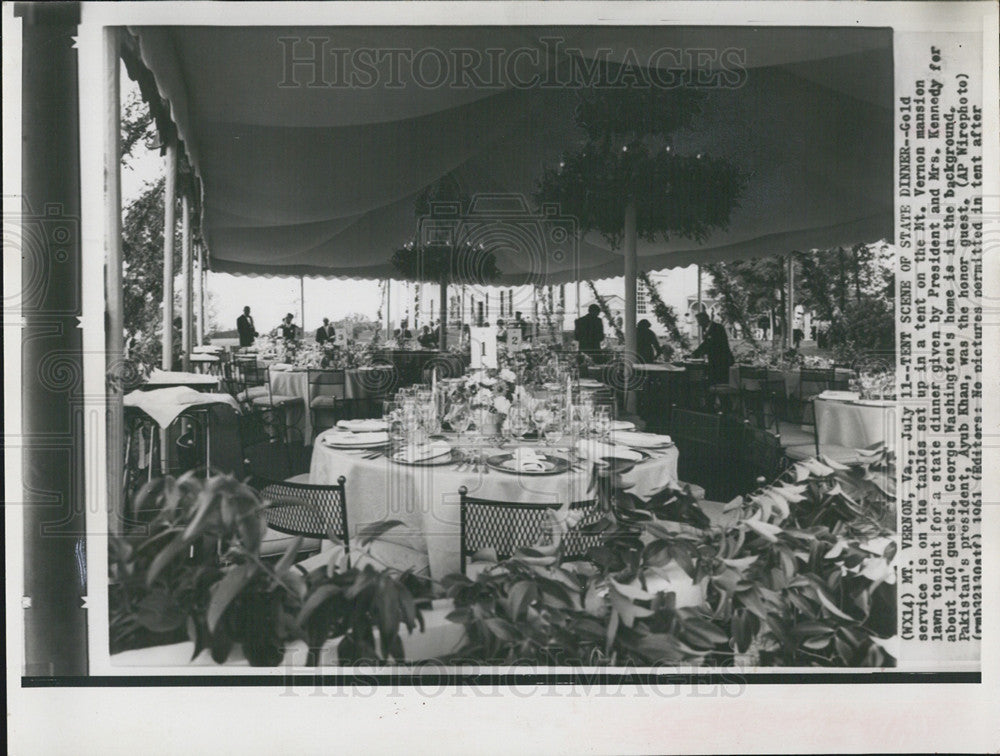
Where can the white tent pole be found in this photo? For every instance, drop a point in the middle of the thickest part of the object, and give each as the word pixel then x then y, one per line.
pixel 791 305
pixel 631 276
pixel 302 303
pixel 169 222
pixel 201 294
pixel 113 272
pixel 186 282
pixel 388 308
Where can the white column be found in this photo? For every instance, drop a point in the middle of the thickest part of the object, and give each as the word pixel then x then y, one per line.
pixel 187 300
pixel 169 223
pixel 790 317
pixel 302 303
pixel 201 294
pixel 631 275
pixel 113 287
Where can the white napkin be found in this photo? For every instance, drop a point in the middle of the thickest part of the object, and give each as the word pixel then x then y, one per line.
pixel 640 440
pixel 527 459
pixel 593 449
pixel 622 425
pixel 355 439
pixel 363 426
pixel 281 366
pixel 590 383
pixel 840 395
pixel 421 452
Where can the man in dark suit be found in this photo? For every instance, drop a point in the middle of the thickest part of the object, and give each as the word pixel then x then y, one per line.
pixel 325 332
pixel 588 331
pixel 715 346
pixel 245 328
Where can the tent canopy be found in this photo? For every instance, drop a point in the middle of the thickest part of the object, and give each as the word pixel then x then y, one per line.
pixel 304 176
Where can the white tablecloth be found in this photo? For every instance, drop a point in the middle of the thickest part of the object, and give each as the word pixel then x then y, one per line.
pixel 295 383
pixel 855 424
pixel 426 499
pixel 166 378
pixel 166 404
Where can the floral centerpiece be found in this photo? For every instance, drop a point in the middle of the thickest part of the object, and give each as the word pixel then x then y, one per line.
pixel 489 395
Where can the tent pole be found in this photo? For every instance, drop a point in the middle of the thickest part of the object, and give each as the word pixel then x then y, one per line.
pixel 169 223
pixel 201 294
pixel 443 337
pixel 113 276
pixel 789 341
pixel 631 276
pixel 302 303
pixel 388 308
pixel 186 282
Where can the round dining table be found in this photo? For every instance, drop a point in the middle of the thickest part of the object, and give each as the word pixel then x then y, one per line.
pixel 425 499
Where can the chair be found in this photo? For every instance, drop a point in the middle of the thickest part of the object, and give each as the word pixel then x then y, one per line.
pixel 698 436
pixel 754 395
pixel 326 388
pixel 695 385
pixel 812 382
pixel 506 526
pixel 278 411
pixel 845 455
pixel 762 455
pixel 725 395
pixel 306 509
pixel 250 379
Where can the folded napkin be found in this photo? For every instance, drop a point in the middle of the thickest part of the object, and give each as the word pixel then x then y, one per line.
pixel 622 425
pixel 345 438
pixel 421 452
pixel 593 449
pixel 281 366
pixel 363 426
pixel 528 460
pixel 641 440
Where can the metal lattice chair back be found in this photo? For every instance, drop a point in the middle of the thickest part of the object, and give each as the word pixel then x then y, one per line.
pixel 506 526
pixel 702 428
pixel 813 381
pixel 764 455
pixel 305 509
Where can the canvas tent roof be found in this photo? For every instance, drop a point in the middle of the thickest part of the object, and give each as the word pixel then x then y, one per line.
pixel 321 180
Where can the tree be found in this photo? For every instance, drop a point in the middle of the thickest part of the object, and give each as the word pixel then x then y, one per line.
pixel 626 181
pixel 142 243
pixel 444 258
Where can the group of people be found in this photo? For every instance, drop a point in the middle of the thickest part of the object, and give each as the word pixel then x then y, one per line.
pixel 588 331
pixel 288 330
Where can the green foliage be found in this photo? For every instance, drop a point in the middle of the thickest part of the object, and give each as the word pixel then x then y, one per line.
pixel 189 565
pixel 628 158
pixel 665 314
pixel 803 577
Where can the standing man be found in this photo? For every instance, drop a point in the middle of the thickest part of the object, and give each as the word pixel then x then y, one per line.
pixel 715 347
pixel 588 331
pixel 245 328
pixel 325 332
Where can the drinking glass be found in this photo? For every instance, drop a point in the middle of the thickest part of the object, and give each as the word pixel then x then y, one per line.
pixel 460 418
pixel 602 422
pixel 555 429
pixel 518 421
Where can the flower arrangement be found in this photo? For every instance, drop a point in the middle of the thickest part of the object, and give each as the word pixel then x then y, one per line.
pixel 489 390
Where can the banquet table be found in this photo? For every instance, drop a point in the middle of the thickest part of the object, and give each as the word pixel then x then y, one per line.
pixel 855 423
pixel 426 499
pixel 295 383
pixel 370 382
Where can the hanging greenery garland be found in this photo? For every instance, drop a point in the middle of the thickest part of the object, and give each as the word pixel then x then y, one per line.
pixel 606 311
pixel 665 314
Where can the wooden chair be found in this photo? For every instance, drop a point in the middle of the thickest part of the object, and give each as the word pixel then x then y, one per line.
pixel 506 526
pixel 313 511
